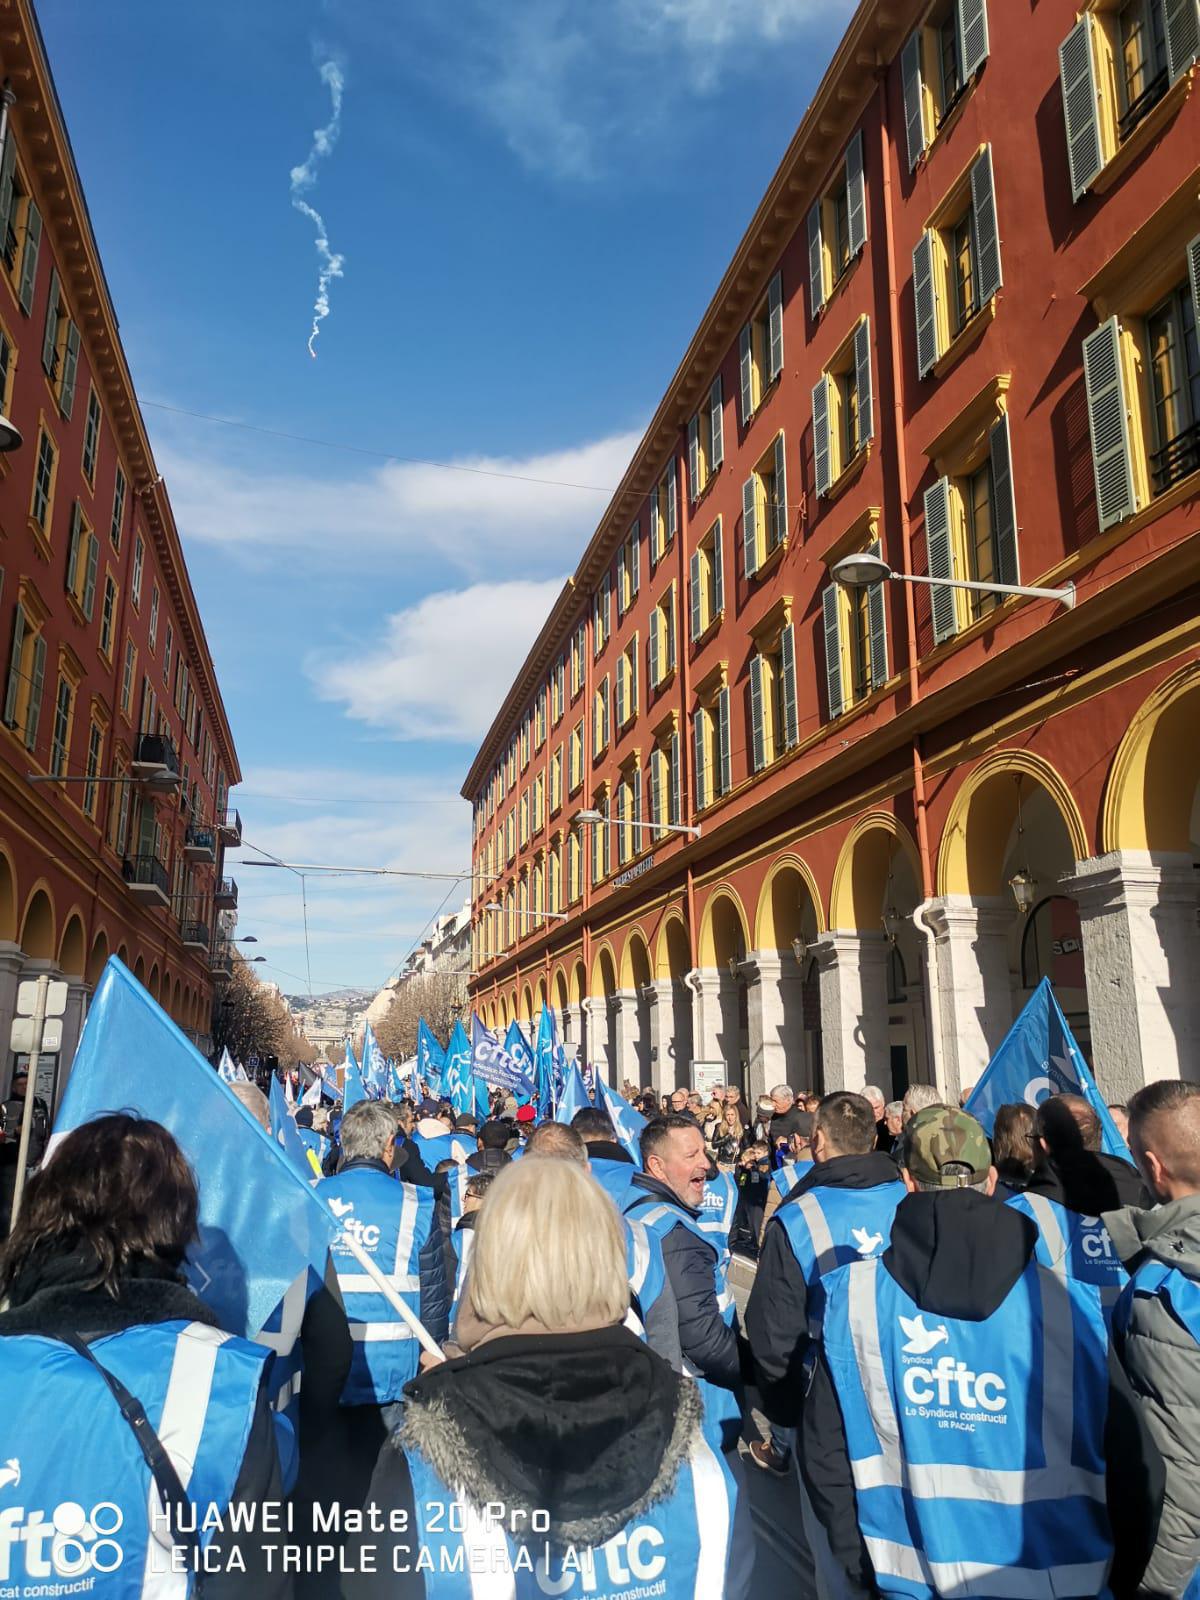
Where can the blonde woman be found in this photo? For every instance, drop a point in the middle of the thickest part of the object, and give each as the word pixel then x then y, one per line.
pixel 558 1432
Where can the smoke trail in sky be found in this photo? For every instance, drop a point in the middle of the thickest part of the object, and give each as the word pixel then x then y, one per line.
pixel 302 179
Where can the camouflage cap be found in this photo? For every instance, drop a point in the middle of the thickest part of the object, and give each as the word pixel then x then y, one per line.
pixel 945 1147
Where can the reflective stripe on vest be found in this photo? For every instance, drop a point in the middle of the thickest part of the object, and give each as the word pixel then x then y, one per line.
pixel 1156 1279
pixel 678 1547
pixel 786 1178
pixel 830 1227
pixel 1074 1246
pixel 924 1428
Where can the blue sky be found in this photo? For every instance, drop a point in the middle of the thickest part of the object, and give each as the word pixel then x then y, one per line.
pixel 534 203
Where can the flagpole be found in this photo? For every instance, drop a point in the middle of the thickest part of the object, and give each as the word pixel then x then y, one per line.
pixel 426 1340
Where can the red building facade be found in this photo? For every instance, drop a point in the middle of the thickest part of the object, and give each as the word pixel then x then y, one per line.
pixel 960 333
pixel 116 756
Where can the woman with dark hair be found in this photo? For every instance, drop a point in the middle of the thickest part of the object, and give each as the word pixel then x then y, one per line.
pixel 118 1383
pixel 1012 1148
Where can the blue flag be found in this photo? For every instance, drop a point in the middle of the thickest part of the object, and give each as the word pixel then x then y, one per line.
pixel 457 1084
pixel 374 1066
pixel 261 1225
pixel 518 1048
pixel 574 1096
pixel 1037 1058
pixel 545 1050
pixel 431 1058
pixel 285 1132
pixel 628 1122
pixel 492 1063
pixel 353 1087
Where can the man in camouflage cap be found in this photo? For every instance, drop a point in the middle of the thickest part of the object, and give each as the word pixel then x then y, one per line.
pixel 942 1148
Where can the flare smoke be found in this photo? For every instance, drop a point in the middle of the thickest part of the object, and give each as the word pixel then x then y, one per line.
pixel 302 180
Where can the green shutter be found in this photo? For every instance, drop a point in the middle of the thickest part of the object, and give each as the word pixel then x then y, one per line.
pixel 654 525
pixel 750 525
pixel 723 751
pixel 66 394
pixel 694 458
pixel 1182 20
pixel 622 713
pixel 699 765
pixel 856 194
pixel 716 412
pixel 941 560
pixel 985 228
pixel 14 667
pixel 746 367
pixel 676 774
pixel 862 378
pixel 29 256
pixel 1080 84
pixel 1108 419
pixel 816 263
pixel 89 582
pixel 50 334
pixel 821 455
pixel 779 511
pixel 652 653
pixel 833 651
pixel 1193 255
pixel 925 305
pixel 1004 509
pixel 775 326
pixel 787 671
pixel 972 35
pixel 656 791
pixel 672 506
pixel 877 627
pixel 718 563
pixel 696 596
pixel 38 678
pixel 757 704
pixel 621 581
pixel 914 98
pixel 73 545
pixel 635 555
pixel 8 163
pixel 671 629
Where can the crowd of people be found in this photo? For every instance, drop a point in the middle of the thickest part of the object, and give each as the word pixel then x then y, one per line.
pixel 976 1359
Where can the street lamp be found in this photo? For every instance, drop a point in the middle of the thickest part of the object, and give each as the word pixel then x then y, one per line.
pixel 249 938
pixel 559 916
pixel 593 816
pixel 862 570
pixel 1024 887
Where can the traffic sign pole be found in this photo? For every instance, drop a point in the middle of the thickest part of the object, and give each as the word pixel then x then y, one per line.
pixel 39 1021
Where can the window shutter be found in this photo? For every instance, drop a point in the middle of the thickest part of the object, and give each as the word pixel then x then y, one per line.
pixel 914 98
pixel 723 753
pixel 672 506
pixel 655 548
pixel 634 671
pixel 816 263
pixel 1193 255
pixel 1183 35
pixel 775 320
pixel 757 701
pixel 652 650
pixel 622 668
pixel 50 335
pixel 780 509
pixel 862 377
pixel 38 677
pixel 716 412
pixel 7 163
pixel 877 627
pixel 750 525
pixel 676 774
pixel 821 459
pixel 66 398
pixel 972 35
pixel 635 787
pixel 1081 104
pixel 833 651
pixel 1004 511
pixel 635 557
pixel 671 629
pixel 29 256
pixel 1108 418
pixel 941 561
pixel 73 545
pixel 656 790
pixel 925 305
pixel 694 458
pixel 787 670
pixel 14 667
pixel 856 194
pixel 986 228
pixel 718 564
pixel 621 577
pixel 746 365
pixel 699 766
pixel 606 605
pixel 697 598
pixel 89 584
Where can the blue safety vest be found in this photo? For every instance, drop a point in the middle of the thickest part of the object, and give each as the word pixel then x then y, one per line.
pixel 442 1147
pixel 462 1242
pixel 679 1546
pixel 456 1190
pixel 75 1488
pixel 977 1448
pixel 717 1211
pixel 647 1272
pixel 828 1227
pixel 391 1222
pixel 1154 1279
pixel 786 1178
pixel 285 1372
pixel 615 1178
pixel 722 1407
pixel 1074 1246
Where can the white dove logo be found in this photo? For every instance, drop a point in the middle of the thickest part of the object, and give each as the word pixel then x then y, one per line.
pixel 920 1338
pixel 866 1243
pixel 340 1207
pixel 10 1472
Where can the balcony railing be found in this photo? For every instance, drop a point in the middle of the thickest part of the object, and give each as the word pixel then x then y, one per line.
pixel 230 828
pixel 155 761
pixel 147 879
pixel 1176 459
pixel 225 896
pixel 221 958
pixel 1145 102
pixel 199 844
pixel 196 935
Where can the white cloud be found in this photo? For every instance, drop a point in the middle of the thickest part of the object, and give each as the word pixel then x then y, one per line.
pixel 443 664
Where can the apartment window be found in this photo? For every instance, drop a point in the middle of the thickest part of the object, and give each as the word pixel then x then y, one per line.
pixel 153 616
pixel 601 724
pixel 91 789
pixel 83 554
pixel 661 644
pixel 774 724
pixel 43 481
pixel 574 866
pixel 706 582
pixel 31 249
pixel 856 652
pixel 627 814
pixel 666 805
pixel 971 534
pixel 7 367
pixel 537 903
pixel 764 508
pixel 601 837
pixel 1144 46
pixel 843 409
pixel 554 876
pixel 706 441
pixel 837 227
pixel 937 65
pixel 149 721
pixel 664 516
pixel 626 678
pixel 108 616
pixel 1174 388
pixel 601 614
pixel 26 676
pixel 575 750
pixel 118 510
pixel 60 347
pixel 760 349
pixel 128 676
pixel 556 781
pixel 539 803
pixel 956 264
pixel 91 437
pixel 558 687
pixel 629 569
pixel 168 651
pixel 539 719
pixel 64 713
pixel 139 560
pixel 118 821
pixel 578 646
pixel 510 836
pixel 712 765
pixel 524 809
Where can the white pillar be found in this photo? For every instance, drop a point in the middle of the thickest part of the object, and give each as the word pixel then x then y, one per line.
pixel 661 996
pixel 708 1023
pixel 1141 953
pixel 974 984
pixel 11 962
pixel 572 1031
pixel 595 1009
pixel 854 1009
pixel 625 1004
pixel 775 1013
pixel 78 995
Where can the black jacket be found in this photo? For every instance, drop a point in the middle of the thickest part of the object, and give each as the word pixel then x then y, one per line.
pixel 958 1254
pixel 411 1168
pixel 588 1427
pixel 435 1300
pixel 49 1298
pixel 1089 1182
pixel 489 1161
pixel 608 1150
pixel 777 1312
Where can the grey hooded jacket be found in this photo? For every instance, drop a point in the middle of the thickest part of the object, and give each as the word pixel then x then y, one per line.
pixel 1162 1361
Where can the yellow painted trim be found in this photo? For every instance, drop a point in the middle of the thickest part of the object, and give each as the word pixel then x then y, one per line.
pixel 706 950
pixel 1123 823
pixel 626 977
pixel 841 895
pixel 40 886
pixel 1147 132
pixel 766 936
pixel 662 954
pixel 965 338
pixel 953 874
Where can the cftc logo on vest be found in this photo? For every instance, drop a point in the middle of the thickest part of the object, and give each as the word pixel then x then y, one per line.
pixel 946 1391
pixel 1096 1245
pixel 68 1542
